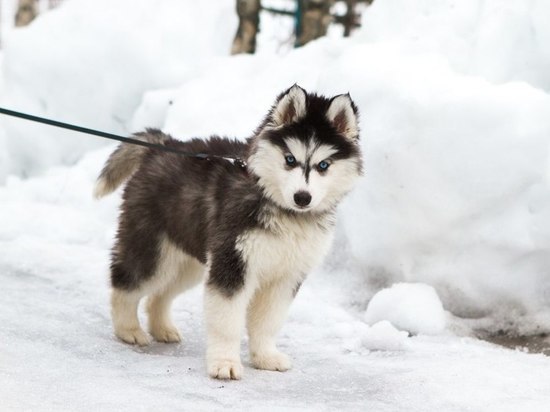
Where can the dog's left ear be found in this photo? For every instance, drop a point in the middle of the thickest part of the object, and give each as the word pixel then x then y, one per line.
pixel 342 114
pixel 289 107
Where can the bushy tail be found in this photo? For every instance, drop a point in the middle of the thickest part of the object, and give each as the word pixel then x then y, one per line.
pixel 124 161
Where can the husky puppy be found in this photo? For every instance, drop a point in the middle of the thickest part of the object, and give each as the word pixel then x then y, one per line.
pixel 253 233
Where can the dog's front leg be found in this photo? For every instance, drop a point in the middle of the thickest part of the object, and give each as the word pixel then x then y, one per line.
pixel 266 315
pixel 225 320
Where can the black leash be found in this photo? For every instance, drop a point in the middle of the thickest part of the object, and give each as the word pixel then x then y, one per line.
pixel 201 156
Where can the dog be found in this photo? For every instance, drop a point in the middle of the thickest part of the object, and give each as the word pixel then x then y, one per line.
pixel 252 233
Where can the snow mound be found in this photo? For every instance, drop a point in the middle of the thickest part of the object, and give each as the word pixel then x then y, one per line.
pixel 384 336
pixel 413 307
pixel 89 62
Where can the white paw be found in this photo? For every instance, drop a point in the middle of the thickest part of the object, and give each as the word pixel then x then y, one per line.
pixel 271 361
pixel 225 369
pixel 167 334
pixel 133 336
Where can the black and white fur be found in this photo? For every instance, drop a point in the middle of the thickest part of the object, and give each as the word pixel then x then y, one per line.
pixel 255 234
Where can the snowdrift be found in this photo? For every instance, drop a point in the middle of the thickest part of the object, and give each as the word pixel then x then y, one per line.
pixel 89 62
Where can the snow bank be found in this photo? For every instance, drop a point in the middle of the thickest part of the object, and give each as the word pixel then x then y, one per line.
pixel 90 61
pixel 456 193
pixel 499 40
pixel 412 307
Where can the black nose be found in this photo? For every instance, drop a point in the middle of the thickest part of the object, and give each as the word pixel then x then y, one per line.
pixel 302 198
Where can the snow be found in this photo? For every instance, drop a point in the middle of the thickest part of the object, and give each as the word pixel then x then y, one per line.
pixel 499 40
pixel 384 336
pixel 446 237
pixel 114 53
pixel 413 307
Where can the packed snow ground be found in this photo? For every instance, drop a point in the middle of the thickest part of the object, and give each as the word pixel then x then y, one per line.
pixel 455 131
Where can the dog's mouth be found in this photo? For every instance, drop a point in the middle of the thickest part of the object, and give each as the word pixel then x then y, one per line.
pixel 299 208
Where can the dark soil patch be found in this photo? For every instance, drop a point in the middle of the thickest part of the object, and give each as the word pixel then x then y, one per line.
pixel 532 344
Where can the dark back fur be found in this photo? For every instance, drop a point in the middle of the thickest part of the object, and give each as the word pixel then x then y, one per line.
pixel 196 203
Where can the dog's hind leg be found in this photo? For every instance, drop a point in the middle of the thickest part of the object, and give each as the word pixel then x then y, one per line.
pixel 124 306
pixel 161 326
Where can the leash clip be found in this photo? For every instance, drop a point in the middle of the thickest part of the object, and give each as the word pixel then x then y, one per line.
pixel 239 163
pixel 236 161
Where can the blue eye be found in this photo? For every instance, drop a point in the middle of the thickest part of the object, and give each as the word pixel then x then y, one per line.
pixel 290 160
pixel 323 166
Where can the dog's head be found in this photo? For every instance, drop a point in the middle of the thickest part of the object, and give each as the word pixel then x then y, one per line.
pixel 306 153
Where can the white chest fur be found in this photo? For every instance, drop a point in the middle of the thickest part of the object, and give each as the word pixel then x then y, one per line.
pixel 288 248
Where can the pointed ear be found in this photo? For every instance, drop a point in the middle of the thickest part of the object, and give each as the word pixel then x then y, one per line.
pixel 342 114
pixel 289 107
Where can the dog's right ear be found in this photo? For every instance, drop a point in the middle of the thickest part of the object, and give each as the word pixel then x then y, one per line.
pixel 289 107
pixel 342 114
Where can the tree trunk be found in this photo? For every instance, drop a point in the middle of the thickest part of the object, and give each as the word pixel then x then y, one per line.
pixel 350 19
pixel 27 10
pixel 314 19
pixel 52 4
pixel 249 21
